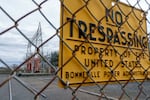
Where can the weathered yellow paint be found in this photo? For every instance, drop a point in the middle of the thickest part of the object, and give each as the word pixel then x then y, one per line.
pixel 106 49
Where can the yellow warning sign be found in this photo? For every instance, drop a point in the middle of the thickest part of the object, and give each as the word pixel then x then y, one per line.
pixel 102 42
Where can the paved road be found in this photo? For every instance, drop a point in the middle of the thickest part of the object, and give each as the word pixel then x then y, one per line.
pixel 55 93
pixel 52 92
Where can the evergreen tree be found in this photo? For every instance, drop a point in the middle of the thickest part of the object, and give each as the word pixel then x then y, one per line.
pixel 54 58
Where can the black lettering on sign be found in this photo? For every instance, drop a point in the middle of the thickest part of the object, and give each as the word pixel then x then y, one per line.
pixel 109 35
pixel 88 50
pixel 124 41
pixel 107 74
pixel 93 62
pixel 76 48
pixel 118 18
pixel 108 63
pixel 71 26
pixel 82 29
pixel 83 50
pixel 73 75
pixel 95 74
pixel 116 38
pixel 136 73
pixel 126 73
pixel 144 42
pixel 114 16
pixel 141 55
pixel 116 73
pixel 131 64
pixel 130 40
pixel 127 54
pixel 106 52
pixel 140 41
pixel 67 75
pixel 102 34
pixel 92 29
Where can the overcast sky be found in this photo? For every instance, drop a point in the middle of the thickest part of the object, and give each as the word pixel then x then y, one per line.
pixel 13 46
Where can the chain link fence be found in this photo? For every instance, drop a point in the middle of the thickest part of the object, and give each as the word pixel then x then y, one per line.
pixel 103 51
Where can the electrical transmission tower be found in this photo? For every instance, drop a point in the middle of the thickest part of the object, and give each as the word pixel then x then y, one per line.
pixel 35 63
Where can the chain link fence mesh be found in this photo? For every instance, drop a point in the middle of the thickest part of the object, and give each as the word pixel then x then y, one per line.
pixel 12 32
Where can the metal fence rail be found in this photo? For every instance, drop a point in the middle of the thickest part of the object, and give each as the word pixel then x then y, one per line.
pixel 132 87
